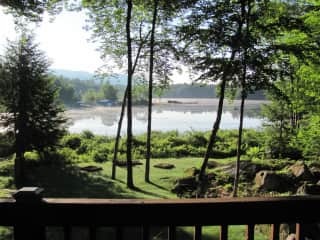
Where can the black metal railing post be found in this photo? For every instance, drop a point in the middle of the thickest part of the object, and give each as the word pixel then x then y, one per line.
pixel 28 197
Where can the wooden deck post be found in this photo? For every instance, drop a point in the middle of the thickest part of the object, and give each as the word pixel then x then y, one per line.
pixel 275 231
pixel 250 232
pixel 224 232
pixel 28 197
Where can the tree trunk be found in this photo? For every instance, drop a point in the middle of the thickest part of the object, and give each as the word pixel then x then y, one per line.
pixel 237 170
pixel 216 125
pixel 129 89
pixel 214 131
pixel 245 17
pixel 116 145
pixel 19 151
pixel 148 152
pixel 18 169
pixel 19 163
pixel 281 147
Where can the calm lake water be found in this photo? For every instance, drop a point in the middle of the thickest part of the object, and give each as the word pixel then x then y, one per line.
pixel 186 115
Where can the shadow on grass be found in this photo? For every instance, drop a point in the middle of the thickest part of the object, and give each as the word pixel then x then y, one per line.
pixel 60 180
pixel 158 186
pixel 68 181
pixel 136 189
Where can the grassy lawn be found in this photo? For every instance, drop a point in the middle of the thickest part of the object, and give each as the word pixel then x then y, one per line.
pixel 162 180
pixel 69 181
pixel 100 185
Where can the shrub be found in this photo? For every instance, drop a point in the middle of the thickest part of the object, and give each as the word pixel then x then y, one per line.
pixel 72 141
pixel 6 144
pixel 309 138
pixel 180 151
pixel 100 155
pixel 82 149
pixel 197 139
pixel 222 154
pixel 140 152
pixel 252 138
pixel 31 156
pixel 176 141
pixel 160 152
pixel 85 158
pixel 6 168
pixel 87 134
pixel 67 155
pixel 254 153
pixel 136 142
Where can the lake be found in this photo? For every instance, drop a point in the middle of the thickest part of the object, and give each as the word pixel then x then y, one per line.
pixel 168 114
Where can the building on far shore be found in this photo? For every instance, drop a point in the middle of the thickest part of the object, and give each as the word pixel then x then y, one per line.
pixel 107 102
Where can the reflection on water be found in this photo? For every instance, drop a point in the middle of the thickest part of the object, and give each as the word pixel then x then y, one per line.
pixel 166 117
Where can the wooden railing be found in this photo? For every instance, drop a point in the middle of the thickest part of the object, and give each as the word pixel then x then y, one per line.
pixel 30 214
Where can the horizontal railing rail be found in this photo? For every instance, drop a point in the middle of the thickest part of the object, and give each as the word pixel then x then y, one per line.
pixel 29 211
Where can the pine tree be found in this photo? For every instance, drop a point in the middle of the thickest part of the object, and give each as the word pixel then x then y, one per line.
pixel 29 97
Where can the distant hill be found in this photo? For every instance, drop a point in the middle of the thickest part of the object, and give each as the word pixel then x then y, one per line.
pixel 116 79
pixel 82 75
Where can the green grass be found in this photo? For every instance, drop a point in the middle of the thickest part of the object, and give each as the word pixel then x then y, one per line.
pixel 66 180
pixel 162 180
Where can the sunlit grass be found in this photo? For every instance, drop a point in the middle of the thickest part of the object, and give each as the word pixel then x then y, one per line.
pixel 69 181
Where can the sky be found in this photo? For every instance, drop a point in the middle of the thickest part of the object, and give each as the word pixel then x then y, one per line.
pixel 65 42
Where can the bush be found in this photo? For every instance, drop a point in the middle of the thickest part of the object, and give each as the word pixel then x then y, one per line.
pixel 176 141
pixel 87 134
pixel 180 151
pixel 6 144
pixel 31 156
pixel 222 154
pixel 163 145
pixel 197 139
pixel 100 155
pixel 252 138
pixel 67 155
pixel 6 168
pixel 309 138
pixel 85 158
pixel 254 153
pixel 82 149
pixel 72 141
pixel 136 142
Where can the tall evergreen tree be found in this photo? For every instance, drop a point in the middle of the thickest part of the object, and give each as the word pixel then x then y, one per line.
pixel 29 96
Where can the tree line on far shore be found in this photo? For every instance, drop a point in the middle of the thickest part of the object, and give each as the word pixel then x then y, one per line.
pixel 72 91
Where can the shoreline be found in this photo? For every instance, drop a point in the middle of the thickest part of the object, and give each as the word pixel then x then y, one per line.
pixel 194 105
pixel 204 101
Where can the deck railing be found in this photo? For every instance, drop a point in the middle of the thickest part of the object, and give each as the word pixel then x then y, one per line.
pixel 30 214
